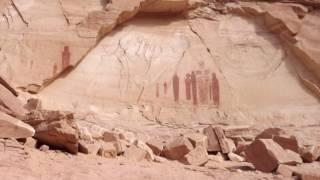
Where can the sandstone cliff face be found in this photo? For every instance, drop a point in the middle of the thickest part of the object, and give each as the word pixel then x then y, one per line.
pixel 264 55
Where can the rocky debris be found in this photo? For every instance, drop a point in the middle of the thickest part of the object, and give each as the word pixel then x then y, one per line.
pixel 33 104
pixel 225 144
pixel 285 170
pixel 177 148
pixel 157 145
pixel 197 139
pixel 234 157
pixel 270 133
pixel 310 153
pixel 287 142
pixel 135 153
pixel 96 132
pixel 108 150
pixel 85 134
pixel 306 172
pixel 30 142
pixel 11 127
pixel 110 136
pixel 197 157
pixel 216 158
pixel 89 147
pixel 10 103
pixel 44 148
pixel 213 142
pixel 55 128
pixel 145 147
pixel 266 155
pixel 238 131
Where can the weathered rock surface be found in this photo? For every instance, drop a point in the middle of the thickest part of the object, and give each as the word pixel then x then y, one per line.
pixel 10 102
pixel 177 148
pixel 197 157
pixel 11 127
pixel 213 142
pixel 266 155
pixel 55 128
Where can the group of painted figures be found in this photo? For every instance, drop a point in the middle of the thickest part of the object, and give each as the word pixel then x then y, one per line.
pixel 200 88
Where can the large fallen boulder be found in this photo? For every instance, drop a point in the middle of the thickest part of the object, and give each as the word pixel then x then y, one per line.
pixel 11 127
pixel 213 142
pixel 197 157
pixel 55 128
pixel 287 142
pixel 266 155
pixel 310 153
pixel 177 148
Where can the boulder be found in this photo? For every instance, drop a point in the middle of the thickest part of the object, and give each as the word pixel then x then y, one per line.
pixel 144 146
pixel 197 157
pixel 216 158
pixel 55 128
pixel 84 134
pixel 294 157
pixel 108 150
pixel 89 147
pixel 287 142
pixel 130 137
pixel 223 141
pixel 310 153
pixel 285 170
pixel 270 133
pixel 135 153
pixel 11 102
pixel 11 127
pixel 44 148
pixel 306 172
pixel 266 155
pixel 177 148
pixel 237 131
pixel 30 142
pixel 156 144
pixel 213 142
pixel 198 139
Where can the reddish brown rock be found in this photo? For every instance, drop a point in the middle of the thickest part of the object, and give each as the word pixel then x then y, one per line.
pixel 310 153
pixel 213 142
pixel 270 133
pixel 157 145
pixel 110 136
pixel 287 142
pixel 294 158
pixel 266 155
pixel 177 148
pixel 197 157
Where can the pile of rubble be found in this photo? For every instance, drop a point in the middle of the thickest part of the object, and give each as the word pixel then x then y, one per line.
pixel 273 150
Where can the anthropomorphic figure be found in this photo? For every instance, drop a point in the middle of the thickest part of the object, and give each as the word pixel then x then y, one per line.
pixel 194 88
pixel 215 90
pixel 187 82
pixel 66 57
pixel 175 84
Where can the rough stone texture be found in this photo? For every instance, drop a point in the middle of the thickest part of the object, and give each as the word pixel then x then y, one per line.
pixel 110 136
pixel 177 148
pixel 225 144
pixel 310 153
pixel 197 157
pixel 270 133
pixel 266 155
pixel 11 127
pixel 213 142
pixel 88 147
pixel 135 153
pixel 287 142
pixel 55 128
pixel 198 139
pixel 156 144
pixel 33 104
pixel 285 170
pixel 108 150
